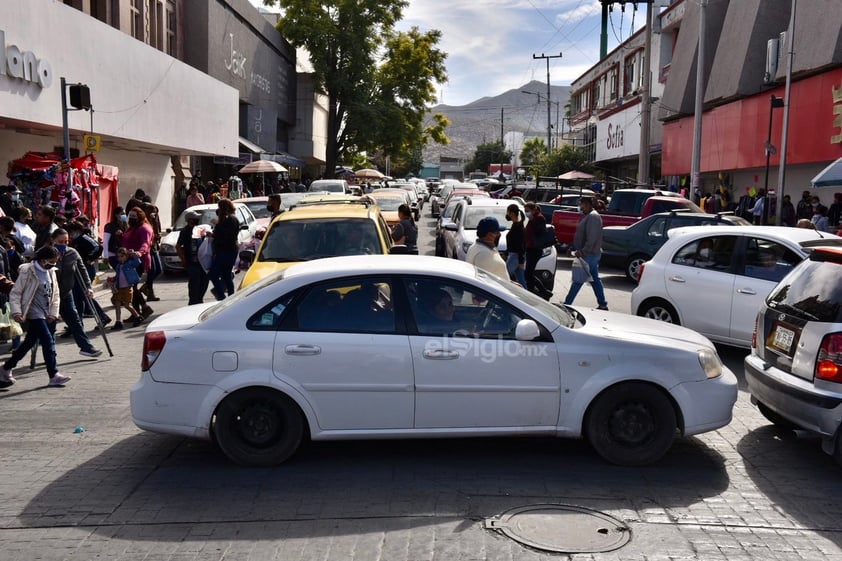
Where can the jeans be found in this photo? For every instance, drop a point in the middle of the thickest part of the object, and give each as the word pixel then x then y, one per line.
pixel 197 284
pixel 596 283
pixel 515 272
pixel 221 273
pixel 67 310
pixel 38 331
pixel 156 269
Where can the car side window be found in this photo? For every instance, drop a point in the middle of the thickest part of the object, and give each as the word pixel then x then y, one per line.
pixel 269 318
pixel 657 228
pixel 768 260
pixel 449 308
pixel 711 252
pixel 351 305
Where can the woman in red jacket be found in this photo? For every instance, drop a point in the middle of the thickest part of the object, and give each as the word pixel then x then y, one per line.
pixel 139 237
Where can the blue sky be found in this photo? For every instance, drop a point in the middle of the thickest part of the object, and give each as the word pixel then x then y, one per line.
pixel 490 43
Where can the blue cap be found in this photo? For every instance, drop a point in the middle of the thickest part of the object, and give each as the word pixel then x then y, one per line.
pixel 487 225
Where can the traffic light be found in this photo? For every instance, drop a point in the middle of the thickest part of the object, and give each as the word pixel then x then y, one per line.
pixel 80 96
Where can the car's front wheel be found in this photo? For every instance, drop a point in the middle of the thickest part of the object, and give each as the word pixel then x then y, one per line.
pixel 633 266
pixel 659 310
pixel 258 427
pixel 631 424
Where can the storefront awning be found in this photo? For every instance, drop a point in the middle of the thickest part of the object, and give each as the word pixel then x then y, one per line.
pixel 251 146
pixel 284 158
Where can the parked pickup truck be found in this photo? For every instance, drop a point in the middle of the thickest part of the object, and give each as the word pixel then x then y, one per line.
pixel 627 206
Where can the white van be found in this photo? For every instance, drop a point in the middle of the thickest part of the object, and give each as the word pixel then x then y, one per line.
pixel 330 185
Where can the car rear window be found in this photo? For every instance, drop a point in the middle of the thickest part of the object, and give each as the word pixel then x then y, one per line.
pixel 813 291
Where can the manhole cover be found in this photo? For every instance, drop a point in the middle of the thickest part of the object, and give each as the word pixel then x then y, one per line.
pixel 562 528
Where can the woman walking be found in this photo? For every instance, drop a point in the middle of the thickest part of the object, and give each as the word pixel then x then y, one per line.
pixel 139 237
pixel 225 245
pixel 516 245
pixel 35 300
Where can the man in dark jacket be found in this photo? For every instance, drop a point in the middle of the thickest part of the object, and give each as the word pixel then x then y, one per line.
pixel 534 231
pixel 187 247
pixel 71 269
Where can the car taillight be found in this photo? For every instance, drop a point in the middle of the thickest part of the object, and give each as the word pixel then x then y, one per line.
pixel 754 333
pixel 153 344
pixel 829 361
pixel 640 272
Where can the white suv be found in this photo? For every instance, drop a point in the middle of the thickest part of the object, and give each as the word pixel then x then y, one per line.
pixel 460 233
pixel 330 185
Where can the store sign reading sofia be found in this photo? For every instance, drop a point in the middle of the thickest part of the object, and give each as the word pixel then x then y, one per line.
pixel 23 65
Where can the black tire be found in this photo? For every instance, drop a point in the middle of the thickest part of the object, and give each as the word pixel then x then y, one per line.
pixel 660 310
pixel 631 424
pixel 633 266
pixel 258 427
pixel 774 418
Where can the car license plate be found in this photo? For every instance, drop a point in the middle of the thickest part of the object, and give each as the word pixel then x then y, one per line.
pixel 783 338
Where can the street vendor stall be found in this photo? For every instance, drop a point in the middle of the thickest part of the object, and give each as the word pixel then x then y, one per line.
pixel 82 187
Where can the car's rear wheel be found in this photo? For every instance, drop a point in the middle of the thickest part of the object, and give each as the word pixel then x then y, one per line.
pixel 631 424
pixel 774 418
pixel 633 266
pixel 659 310
pixel 258 427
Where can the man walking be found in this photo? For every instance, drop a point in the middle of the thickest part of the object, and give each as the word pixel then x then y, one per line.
pixel 587 244
pixel 187 247
pixel 534 231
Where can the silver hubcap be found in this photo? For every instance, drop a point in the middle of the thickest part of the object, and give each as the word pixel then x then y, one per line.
pixel 659 313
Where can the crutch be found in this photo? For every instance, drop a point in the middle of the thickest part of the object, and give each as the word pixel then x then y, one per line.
pixel 93 308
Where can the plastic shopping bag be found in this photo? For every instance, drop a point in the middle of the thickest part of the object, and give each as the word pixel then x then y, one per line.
pixel 581 271
pixel 205 253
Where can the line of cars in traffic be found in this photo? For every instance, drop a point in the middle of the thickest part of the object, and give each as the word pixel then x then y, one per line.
pixel 322 318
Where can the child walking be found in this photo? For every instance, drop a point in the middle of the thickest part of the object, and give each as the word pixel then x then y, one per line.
pixel 124 282
pixel 35 299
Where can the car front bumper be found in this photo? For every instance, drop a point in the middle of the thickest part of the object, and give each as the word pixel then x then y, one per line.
pixel 794 398
pixel 707 404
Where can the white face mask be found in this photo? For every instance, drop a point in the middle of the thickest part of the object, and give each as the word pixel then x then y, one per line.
pixel 704 253
pixel 528 214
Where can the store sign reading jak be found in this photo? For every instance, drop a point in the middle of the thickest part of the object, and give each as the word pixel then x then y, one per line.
pixel 236 65
pixel 23 65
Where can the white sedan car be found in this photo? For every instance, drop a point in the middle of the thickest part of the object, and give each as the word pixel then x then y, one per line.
pixel 417 346
pixel 714 279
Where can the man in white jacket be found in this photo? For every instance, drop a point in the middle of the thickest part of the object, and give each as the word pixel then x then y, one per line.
pixel 483 254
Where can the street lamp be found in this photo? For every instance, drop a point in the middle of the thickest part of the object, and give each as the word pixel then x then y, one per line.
pixel 774 103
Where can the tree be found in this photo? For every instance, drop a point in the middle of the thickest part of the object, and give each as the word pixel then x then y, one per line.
pixel 488 153
pixel 562 160
pixel 378 81
pixel 532 151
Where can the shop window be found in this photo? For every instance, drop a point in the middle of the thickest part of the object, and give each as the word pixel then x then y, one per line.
pixel 171 34
pixel 136 16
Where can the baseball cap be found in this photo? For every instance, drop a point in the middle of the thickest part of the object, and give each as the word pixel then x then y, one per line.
pixel 487 225
pixel 192 215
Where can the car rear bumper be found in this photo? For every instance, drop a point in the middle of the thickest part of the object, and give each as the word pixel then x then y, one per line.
pixel 168 408
pixel 793 398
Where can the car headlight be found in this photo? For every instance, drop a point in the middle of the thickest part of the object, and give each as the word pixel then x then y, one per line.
pixel 167 248
pixel 546 252
pixel 466 246
pixel 710 363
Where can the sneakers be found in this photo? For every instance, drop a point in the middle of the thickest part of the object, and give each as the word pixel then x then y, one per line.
pixel 6 378
pixel 91 353
pixel 106 321
pixel 137 321
pixel 146 311
pixel 604 307
pixel 117 326
pixel 58 380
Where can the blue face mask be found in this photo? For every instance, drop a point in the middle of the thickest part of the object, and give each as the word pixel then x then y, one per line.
pixel 124 218
pixel 61 248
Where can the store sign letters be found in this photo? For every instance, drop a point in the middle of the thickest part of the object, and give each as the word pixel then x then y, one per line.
pixel 235 63
pixel 23 65
pixel 837 111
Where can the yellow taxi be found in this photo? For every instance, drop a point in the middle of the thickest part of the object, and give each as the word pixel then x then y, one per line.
pixel 318 229
pixel 389 200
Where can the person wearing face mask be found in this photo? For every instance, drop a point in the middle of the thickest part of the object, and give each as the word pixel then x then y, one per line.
pixel 587 245
pixel 45 225
pixel 23 231
pixel 483 254
pixel 534 231
pixel 112 237
pixel 10 199
pixel 139 237
pixel 35 299
pixel 273 205
pixel 516 245
pixel 70 269
pixel 225 246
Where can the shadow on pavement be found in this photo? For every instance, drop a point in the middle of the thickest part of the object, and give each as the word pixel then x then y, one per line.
pixel 146 482
pixel 800 482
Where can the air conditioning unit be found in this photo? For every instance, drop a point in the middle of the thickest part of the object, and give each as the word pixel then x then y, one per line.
pixel 772 55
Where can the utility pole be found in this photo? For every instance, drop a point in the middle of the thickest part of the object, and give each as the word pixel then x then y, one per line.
pixel 549 115
pixel 696 163
pixel 502 143
pixel 645 100
pixel 790 40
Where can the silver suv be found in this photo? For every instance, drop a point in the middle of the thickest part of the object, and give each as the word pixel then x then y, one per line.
pixel 794 371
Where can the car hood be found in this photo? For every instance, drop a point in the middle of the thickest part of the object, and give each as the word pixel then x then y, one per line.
pixel 639 330
pixel 262 269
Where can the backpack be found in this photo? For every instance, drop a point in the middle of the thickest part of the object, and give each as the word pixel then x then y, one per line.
pixel 547 238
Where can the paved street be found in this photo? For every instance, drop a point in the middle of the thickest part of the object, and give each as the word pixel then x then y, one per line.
pixel 114 492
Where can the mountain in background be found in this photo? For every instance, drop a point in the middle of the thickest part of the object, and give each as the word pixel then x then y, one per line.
pixel 479 121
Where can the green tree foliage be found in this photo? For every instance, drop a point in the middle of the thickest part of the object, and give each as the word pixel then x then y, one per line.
pixel 562 160
pixel 378 81
pixel 488 153
pixel 532 151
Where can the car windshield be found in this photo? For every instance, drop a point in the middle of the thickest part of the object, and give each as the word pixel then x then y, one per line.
pixel 475 214
pixel 208 215
pixel 331 187
pixel 389 203
pixel 289 200
pixel 562 314
pixel 812 291
pixel 303 240
pixel 258 208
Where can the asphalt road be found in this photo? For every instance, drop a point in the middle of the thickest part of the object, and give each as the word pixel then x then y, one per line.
pixel 111 491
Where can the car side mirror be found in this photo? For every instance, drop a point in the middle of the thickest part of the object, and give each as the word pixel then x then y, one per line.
pixel 244 226
pixel 527 330
pixel 451 226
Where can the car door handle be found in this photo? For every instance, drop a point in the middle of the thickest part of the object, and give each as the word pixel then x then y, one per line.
pixel 302 350
pixel 746 291
pixel 676 278
pixel 441 355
